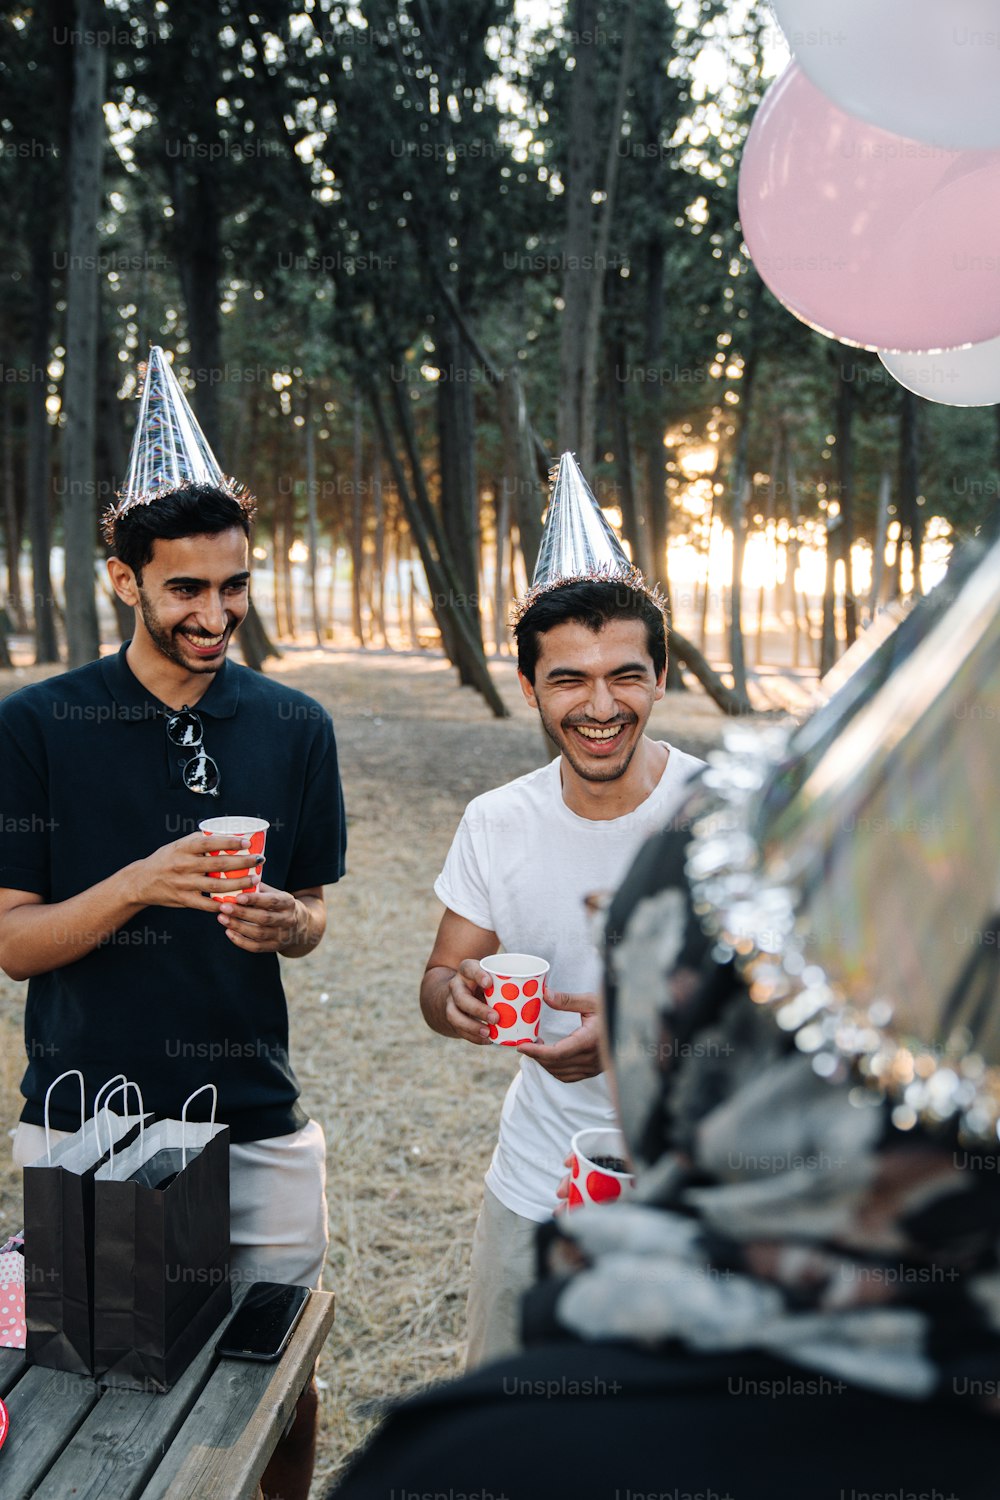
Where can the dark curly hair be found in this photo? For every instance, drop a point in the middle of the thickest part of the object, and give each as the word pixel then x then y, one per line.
pixel 594 604
pixel 189 510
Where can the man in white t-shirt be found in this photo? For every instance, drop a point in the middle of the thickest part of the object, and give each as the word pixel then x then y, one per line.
pixel 592 660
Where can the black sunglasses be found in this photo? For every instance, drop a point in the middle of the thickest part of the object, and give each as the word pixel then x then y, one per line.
pixel 200 773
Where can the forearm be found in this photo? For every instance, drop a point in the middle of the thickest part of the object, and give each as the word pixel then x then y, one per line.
pixel 310 925
pixel 434 999
pixel 37 937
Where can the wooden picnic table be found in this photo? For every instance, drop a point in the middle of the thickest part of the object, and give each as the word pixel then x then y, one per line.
pixel 208 1438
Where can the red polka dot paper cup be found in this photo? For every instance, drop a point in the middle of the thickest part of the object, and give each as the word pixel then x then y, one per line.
pixel 593 1173
pixel 515 993
pixel 236 828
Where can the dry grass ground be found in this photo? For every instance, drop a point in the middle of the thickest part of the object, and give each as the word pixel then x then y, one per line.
pixel 410 1118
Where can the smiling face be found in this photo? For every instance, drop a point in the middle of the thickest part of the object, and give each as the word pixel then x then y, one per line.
pixel 192 598
pixel 595 691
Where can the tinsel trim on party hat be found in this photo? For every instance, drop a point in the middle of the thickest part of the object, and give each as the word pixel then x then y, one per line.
pixel 169 448
pixel 578 545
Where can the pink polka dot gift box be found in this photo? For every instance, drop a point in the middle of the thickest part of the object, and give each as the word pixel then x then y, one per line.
pixel 12 1327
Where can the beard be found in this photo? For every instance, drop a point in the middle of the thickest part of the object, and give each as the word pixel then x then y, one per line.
pixel 610 770
pixel 165 642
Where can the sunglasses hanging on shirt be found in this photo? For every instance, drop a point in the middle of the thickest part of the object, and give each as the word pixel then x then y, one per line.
pixel 200 773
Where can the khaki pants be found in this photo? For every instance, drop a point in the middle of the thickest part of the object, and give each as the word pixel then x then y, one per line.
pixel 503 1268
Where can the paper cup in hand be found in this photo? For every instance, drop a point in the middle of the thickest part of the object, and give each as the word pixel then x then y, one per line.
pixel 236 828
pixel 593 1173
pixel 517 981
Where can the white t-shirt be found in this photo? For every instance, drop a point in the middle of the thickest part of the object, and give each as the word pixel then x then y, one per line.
pixel 520 865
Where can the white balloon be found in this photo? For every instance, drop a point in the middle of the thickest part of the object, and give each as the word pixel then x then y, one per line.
pixel 952 377
pixel 927 69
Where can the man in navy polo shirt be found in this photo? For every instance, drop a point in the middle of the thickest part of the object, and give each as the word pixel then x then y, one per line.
pixel 106 882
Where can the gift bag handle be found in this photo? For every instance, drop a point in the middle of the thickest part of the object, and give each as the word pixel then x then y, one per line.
pixel 123 1088
pixel 117 1078
pixel 206 1087
pixel 70 1073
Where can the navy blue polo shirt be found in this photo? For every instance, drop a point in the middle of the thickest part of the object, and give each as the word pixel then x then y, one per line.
pixel 90 783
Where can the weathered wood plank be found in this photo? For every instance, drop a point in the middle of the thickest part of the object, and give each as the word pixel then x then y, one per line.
pixel 12 1366
pixel 46 1407
pixel 117 1449
pixel 224 1446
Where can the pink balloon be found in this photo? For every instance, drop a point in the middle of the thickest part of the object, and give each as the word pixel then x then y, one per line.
pixel 870 237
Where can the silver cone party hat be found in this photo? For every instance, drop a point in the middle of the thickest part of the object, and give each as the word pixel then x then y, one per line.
pixel 168 447
pixel 578 545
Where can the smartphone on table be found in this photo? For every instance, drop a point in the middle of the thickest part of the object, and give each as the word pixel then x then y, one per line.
pixel 264 1322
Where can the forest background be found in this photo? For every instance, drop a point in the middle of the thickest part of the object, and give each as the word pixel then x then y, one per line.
pixel 404 254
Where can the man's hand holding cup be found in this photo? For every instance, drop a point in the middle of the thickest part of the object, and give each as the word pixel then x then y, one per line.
pixel 468 1014
pixel 186 873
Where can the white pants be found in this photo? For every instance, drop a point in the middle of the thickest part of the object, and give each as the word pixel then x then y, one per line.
pixel 503 1268
pixel 277 1202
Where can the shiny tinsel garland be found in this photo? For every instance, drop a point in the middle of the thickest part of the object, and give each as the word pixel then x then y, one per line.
pixel 755 920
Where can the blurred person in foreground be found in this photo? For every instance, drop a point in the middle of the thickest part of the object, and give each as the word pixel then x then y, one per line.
pixel 105 880
pixel 802 1299
pixel 592 660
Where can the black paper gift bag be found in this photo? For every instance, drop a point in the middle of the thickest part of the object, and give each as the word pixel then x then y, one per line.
pixel 59 1238
pixel 161 1253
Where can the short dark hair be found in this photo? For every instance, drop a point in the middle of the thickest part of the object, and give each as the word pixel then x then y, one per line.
pixel 189 510
pixel 593 604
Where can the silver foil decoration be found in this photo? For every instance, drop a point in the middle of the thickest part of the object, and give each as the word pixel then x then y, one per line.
pixel 863 908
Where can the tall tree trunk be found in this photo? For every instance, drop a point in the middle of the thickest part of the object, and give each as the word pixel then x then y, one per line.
pixel 357 522
pixel 737 648
pixel 112 451
pixel 312 519
pixel 501 508
pixel 285 563
pixel 586 252
pixel 792 562
pixel 648 125
pixel 634 527
pixel 39 454
pixel 255 642
pixel 740 486
pixel 911 521
pixel 397 552
pixel 846 406
pixel 459 500
pixel 769 536
pixel 728 699
pixel 520 478
pixel 378 501
pixel 657 500
pixel 422 521
pixel 651 418
pixel 331 598
pixel 707 582
pixel 85 170
pixel 581 174
pixel 199 262
pixel 453 625
pixel 595 305
pixel 277 538
pixel 828 635
pixel 12 520
pixel 878 550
